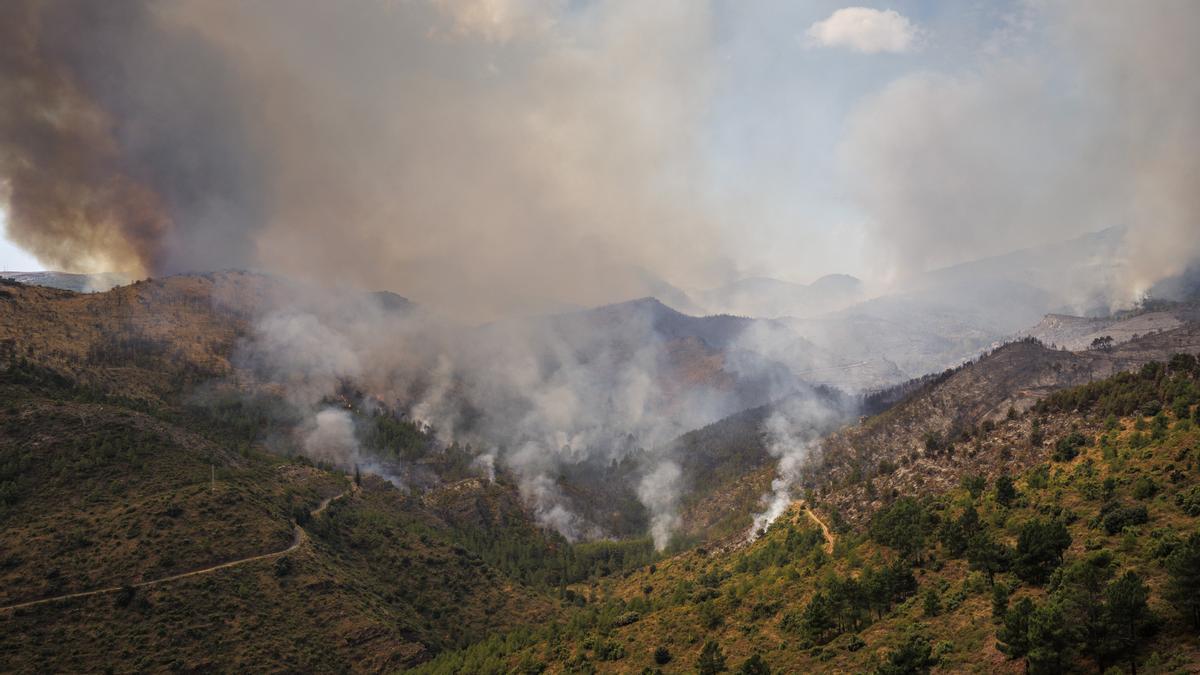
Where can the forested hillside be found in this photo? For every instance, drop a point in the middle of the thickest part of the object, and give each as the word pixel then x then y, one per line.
pixel 1087 561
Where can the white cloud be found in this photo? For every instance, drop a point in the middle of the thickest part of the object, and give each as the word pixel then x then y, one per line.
pixel 865 30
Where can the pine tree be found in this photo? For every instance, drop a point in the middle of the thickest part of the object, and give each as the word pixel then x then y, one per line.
pixel 1000 595
pixel 1051 640
pixel 712 659
pixel 1129 616
pixel 902 526
pixel 755 665
pixel 1005 491
pixel 913 657
pixel 1183 585
pixel 817 621
pixel 986 555
pixel 1013 637
pixel 1040 547
pixel 1080 589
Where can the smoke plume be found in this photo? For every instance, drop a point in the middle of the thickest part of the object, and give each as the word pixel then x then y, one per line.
pixel 536 397
pixel 792 433
pixel 1096 128
pixel 122 145
pixel 486 158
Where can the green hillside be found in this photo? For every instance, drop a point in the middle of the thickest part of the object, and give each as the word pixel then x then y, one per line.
pixel 1089 560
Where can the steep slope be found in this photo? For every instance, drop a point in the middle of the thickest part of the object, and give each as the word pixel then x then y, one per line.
pixel 1078 333
pixel 934 436
pixel 925 437
pixel 96 495
pixel 941 582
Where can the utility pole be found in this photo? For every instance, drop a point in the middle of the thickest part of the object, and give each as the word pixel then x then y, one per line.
pixel 214 477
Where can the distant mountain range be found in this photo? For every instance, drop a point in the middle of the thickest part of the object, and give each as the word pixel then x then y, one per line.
pixel 831 331
pixel 80 283
pixel 769 298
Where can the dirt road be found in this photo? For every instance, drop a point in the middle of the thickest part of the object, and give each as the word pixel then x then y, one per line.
pixel 829 539
pixel 298 538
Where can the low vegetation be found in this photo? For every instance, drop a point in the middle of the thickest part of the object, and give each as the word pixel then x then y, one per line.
pixel 1088 561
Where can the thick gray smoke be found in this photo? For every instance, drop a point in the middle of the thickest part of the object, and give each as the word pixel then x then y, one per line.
pixel 123 141
pixel 492 157
pixel 533 397
pixel 1038 144
pixel 484 156
pixel 498 158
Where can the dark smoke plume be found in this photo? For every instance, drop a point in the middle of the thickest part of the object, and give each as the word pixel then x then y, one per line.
pixel 119 141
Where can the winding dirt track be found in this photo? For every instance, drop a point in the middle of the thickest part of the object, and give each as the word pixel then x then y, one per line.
pixel 821 524
pixel 298 538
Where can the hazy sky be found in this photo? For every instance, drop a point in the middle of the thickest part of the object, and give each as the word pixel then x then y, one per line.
pixel 15 259
pixel 773 110
pixel 504 155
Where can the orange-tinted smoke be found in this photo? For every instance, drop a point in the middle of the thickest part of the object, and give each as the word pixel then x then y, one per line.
pixel 69 201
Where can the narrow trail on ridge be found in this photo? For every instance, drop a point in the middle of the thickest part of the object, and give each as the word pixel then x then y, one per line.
pixel 298 538
pixel 829 538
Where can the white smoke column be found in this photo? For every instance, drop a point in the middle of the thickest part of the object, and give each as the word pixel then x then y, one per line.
pixel 330 438
pixel 302 353
pixel 538 397
pixel 659 492
pixel 793 431
pixel 486 464
pixel 434 409
pixel 550 509
pixel 534 465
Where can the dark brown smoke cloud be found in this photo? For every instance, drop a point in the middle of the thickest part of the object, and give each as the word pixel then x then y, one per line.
pixel 70 200
pixel 488 157
pixel 120 145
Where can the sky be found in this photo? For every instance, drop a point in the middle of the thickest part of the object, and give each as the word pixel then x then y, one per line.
pixel 12 257
pixel 501 156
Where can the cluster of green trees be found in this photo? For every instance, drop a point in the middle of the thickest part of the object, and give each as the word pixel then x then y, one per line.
pixel 777 552
pixel 1089 612
pixel 241 418
pixel 1092 609
pixel 385 434
pixel 544 559
pixel 848 604
pixel 1156 386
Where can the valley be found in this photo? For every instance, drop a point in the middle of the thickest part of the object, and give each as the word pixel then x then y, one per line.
pixel 171 487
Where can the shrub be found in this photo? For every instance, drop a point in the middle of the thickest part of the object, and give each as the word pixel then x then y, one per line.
pixel 933 603
pixel 712 659
pixel 1124 516
pixel 1067 447
pixel 627 618
pixel 609 650
pixel 975 484
pixel 1189 501
pixel 913 656
pixel 1144 488
pixel 125 596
